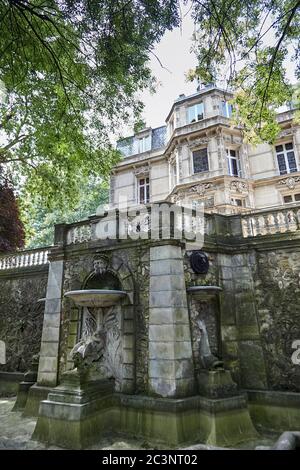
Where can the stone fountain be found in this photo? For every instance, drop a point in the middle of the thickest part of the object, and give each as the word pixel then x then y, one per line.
pixel 71 408
pixel 227 407
pixel 213 379
pixel 144 365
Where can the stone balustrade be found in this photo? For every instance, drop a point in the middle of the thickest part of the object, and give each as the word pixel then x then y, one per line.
pixel 263 223
pixel 79 233
pixel 271 222
pixel 24 259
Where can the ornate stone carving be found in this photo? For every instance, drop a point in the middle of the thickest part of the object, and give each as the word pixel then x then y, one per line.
pixel 239 186
pixel 197 142
pixel 79 234
pixel 200 188
pixel 89 351
pixel 142 170
pixel 197 189
pixel 290 182
pixel 100 265
pixel 207 359
pixel 99 351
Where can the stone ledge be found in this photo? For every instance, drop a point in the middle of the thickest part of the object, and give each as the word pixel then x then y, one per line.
pixel 183 404
pixel 11 376
pixel 274 398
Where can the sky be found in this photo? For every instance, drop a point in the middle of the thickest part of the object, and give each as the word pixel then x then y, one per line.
pixel 174 53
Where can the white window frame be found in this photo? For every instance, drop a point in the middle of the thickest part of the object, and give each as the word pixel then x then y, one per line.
pixel 293 201
pixel 145 185
pixel 227 107
pixel 143 144
pixel 236 158
pixel 284 152
pixel 195 107
pixel 173 173
pixel 242 199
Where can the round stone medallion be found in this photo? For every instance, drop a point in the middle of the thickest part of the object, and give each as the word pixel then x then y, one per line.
pixel 199 262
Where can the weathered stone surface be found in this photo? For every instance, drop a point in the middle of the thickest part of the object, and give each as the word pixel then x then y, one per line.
pixel 21 318
pixel 276 277
pixel 252 365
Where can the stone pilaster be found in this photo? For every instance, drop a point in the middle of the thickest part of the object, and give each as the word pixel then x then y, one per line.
pixel 171 371
pixel 48 364
pixel 240 330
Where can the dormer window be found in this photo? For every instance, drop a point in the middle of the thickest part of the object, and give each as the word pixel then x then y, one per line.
pixel 144 144
pixel 195 113
pixel 226 109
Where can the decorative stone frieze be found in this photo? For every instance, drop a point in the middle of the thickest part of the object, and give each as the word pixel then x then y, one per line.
pixel 239 186
pixel 289 182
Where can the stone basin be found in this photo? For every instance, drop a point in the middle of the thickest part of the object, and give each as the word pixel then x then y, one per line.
pixel 204 290
pixel 95 298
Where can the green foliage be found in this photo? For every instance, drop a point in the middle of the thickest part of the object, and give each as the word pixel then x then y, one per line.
pixel 40 221
pixel 71 70
pixel 244 44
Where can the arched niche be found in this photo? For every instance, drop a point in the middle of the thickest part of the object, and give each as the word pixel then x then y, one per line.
pixel 120 319
pixel 107 280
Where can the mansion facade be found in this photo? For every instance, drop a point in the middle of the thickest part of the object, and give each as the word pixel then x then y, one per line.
pixel 200 156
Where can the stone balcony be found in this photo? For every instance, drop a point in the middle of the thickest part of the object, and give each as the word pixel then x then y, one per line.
pixel 217 228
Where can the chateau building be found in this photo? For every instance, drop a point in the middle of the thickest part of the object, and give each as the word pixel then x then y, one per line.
pixel 200 156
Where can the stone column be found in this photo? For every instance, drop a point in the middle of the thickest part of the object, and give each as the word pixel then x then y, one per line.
pixel 48 364
pixel 171 372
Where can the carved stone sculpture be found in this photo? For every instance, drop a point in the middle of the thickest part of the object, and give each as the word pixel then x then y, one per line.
pixel 207 359
pixel 98 353
pixel 89 350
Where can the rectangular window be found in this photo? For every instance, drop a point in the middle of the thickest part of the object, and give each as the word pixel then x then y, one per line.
pixel 200 161
pixel 286 158
pixel 291 198
pixel 233 161
pixel 143 190
pixel 238 202
pixel 144 144
pixel 195 113
pixel 226 109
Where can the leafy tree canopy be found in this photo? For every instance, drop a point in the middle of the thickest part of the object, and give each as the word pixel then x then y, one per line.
pixel 246 43
pixel 40 221
pixel 70 70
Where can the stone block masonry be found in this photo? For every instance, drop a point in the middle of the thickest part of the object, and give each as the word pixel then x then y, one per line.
pixel 170 351
pixel 48 365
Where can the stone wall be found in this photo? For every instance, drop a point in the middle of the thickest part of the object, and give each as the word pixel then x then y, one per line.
pixel 257 314
pixel 21 316
pixel 276 277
